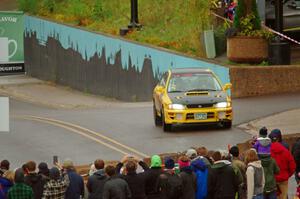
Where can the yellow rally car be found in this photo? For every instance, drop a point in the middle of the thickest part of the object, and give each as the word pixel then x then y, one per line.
pixel 191 96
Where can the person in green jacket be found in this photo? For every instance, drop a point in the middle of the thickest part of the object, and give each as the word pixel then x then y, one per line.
pixel 270 169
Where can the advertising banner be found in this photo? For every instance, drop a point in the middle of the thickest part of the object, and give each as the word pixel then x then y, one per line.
pixel 4 114
pixel 11 42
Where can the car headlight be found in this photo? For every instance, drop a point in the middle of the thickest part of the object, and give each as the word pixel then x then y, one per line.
pixel 222 104
pixel 176 106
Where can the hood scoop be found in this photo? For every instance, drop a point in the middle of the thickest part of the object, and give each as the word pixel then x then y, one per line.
pixel 197 93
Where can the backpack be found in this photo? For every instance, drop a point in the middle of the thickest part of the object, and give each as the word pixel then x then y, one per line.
pixel 174 186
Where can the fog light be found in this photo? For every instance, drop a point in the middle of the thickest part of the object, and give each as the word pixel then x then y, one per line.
pixel 221 115
pixel 179 116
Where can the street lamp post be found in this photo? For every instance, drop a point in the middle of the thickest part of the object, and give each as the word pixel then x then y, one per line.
pixel 134 19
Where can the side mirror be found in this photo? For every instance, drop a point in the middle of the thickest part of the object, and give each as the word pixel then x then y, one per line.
pixel 227 86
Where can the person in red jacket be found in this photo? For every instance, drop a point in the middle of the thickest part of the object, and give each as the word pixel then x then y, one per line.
pixel 286 164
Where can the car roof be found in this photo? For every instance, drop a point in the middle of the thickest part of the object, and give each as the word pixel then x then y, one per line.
pixel 190 70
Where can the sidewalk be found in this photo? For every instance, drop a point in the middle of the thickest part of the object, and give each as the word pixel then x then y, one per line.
pixel 48 94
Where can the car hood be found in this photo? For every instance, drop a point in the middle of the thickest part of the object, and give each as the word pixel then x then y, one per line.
pixel 203 97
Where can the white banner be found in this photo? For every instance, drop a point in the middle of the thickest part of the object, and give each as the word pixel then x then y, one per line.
pixel 4 114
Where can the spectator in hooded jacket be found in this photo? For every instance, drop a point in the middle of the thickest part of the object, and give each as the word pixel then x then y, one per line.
pixel 255 175
pixel 5 180
pixel 188 177
pixel 263 143
pixel 286 164
pixel 201 172
pixel 296 155
pixel 276 134
pixel 56 187
pixel 222 179
pixel 75 189
pixel 44 170
pixel 136 181
pixel 115 187
pixel 152 176
pixel 96 181
pixel 20 190
pixel 237 163
pixel 34 180
pixel 168 189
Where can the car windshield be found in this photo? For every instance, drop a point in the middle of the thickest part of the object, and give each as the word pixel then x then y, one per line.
pixel 188 82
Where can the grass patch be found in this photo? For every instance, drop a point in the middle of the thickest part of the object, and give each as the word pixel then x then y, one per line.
pixel 175 25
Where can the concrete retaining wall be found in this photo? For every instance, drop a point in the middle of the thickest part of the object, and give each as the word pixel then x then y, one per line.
pixel 100 64
pixel 263 80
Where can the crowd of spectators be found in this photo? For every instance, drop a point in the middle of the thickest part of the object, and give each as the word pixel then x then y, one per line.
pixel 260 172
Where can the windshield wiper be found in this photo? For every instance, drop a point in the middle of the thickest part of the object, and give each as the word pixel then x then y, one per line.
pixel 201 90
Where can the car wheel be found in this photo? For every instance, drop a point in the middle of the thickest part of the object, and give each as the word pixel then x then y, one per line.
pixel 166 127
pixel 157 119
pixel 227 125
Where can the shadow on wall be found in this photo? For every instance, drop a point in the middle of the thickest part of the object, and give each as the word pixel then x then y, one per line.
pixel 100 64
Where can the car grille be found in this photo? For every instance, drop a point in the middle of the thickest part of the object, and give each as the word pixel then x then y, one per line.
pixel 190 116
pixel 199 105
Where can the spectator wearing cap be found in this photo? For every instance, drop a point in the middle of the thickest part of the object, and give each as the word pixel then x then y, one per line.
pixel 276 135
pixel 44 170
pixel 152 176
pixel 286 164
pixel 75 189
pixel 34 180
pixel 56 187
pixel 20 190
pixel 169 183
pixel 222 179
pixel 263 143
pixel 188 177
pixel 136 181
pixel 96 181
pixel 115 187
pixel 237 163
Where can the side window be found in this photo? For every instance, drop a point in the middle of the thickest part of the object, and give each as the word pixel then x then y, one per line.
pixel 164 79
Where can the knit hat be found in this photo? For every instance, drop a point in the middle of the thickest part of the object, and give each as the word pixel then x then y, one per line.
pixel 263 132
pixel 169 163
pixel 183 164
pixel 43 168
pixel 276 135
pixel 191 153
pixel 68 163
pixel 19 176
pixel 54 173
pixel 155 161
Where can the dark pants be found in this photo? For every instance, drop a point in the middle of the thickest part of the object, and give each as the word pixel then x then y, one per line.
pixel 270 195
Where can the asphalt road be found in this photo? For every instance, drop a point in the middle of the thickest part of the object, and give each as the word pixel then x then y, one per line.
pixel 130 125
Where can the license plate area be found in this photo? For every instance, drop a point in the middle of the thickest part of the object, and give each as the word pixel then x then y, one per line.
pixel 200 116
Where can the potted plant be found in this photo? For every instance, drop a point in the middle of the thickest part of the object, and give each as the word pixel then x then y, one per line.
pixel 247 42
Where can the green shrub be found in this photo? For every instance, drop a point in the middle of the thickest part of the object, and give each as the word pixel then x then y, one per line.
pixel 30 6
pixel 49 5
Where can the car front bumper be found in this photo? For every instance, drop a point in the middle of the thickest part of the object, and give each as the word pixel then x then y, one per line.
pixel 190 116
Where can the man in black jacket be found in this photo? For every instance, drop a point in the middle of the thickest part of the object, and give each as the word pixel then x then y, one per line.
pixel 34 180
pixel 96 181
pixel 223 182
pixel 115 187
pixel 136 181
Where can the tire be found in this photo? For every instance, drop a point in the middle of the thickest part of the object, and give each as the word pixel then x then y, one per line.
pixel 166 127
pixel 157 119
pixel 227 125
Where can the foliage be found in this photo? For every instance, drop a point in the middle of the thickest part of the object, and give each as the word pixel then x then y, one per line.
pixel 28 6
pixel 247 21
pixel 165 23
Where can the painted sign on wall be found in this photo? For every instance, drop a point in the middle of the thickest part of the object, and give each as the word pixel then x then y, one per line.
pixel 98 63
pixel 11 42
